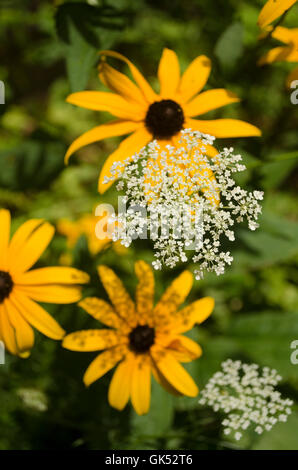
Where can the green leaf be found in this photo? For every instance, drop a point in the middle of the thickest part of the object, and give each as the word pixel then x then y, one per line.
pixel 82 29
pixel 265 338
pixel 229 47
pixel 160 417
pixel 282 437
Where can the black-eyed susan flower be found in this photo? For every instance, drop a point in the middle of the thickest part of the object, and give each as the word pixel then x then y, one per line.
pixel 147 115
pixel 21 287
pixel 272 10
pixel 142 339
pixel 286 53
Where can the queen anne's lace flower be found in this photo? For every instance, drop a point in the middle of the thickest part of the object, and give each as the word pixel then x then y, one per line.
pixel 247 397
pixel 186 201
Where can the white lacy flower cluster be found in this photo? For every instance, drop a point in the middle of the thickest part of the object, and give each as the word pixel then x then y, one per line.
pixel 247 397
pixel 186 200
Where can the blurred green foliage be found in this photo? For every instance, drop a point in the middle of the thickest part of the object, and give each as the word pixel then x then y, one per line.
pixel 49 49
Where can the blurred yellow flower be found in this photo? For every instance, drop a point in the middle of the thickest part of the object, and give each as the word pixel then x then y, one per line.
pixel 86 225
pixel 143 338
pixel 287 53
pixel 147 115
pixel 20 288
pixel 272 10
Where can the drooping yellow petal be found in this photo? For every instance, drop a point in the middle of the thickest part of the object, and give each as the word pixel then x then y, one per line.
pixel 293 76
pixel 221 128
pixel 37 316
pixel 24 334
pixel 174 295
pixel 272 10
pixel 144 86
pixel 141 384
pixel 209 100
pixel 118 295
pixel 103 363
pixel 128 147
pixel 174 373
pixel 120 84
pixel 195 77
pixel 110 102
pixel 8 332
pixel 162 381
pixel 280 54
pixel 53 293
pixel 144 292
pixel 90 340
pixel 52 275
pixel 168 74
pixel 20 238
pixel 286 35
pixel 120 385
pixel 33 248
pixel 195 313
pixel 111 129
pixel 184 349
pixel 4 238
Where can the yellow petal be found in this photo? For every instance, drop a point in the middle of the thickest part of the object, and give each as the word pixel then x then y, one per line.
pixel 103 363
pixel 144 292
pixel 37 316
pixel 209 100
pixel 280 54
pixel 144 86
pixel 141 384
pixel 195 313
pixel 292 77
pixel 4 238
pixel 24 334
pixel 184 349
pixel 33 248
pixel 119 389
pixel 174 373
pixel 120 84
pixel 161 380
pixel 128 147
pixel 221 128
pixel 195 77
pixel 286 35
pixel 168 74
pixel 175 294
pixel 102 311
pixel 111 129
pixel 53 293
pixel 52 275
pixel 90 340
pixel 20 239
pixel 118 295
pixel 110 102
pixel 272 10
pixel 7 332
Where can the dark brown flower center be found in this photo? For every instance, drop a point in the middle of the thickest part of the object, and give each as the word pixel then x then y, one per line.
pixel 164 119
pixel 6 285
pixel 141 338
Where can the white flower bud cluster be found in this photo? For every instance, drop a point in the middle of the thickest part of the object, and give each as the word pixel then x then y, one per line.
pixel 248 397
pixel 186 200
